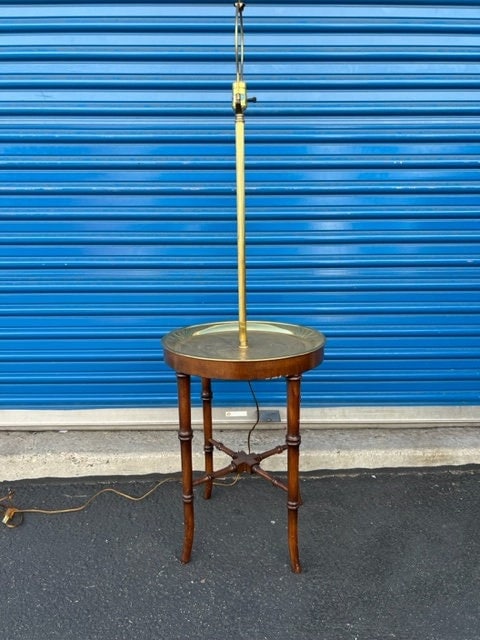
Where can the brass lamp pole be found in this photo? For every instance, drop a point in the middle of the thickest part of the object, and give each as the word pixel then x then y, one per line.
pixel 239 103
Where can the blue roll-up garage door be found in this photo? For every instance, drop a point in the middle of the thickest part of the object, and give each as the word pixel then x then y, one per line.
pixel 117 202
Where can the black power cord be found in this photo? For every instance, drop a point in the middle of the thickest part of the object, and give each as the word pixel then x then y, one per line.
pixel 257 414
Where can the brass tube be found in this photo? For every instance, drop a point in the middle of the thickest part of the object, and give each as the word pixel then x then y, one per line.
pixel 241 263
pixel 239 104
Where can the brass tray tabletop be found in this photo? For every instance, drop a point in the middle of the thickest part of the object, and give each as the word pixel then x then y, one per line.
pixel 266 341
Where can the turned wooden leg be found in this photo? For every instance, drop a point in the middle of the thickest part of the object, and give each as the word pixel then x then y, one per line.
pixel 185 436
pixel 207 434
pixel 293 454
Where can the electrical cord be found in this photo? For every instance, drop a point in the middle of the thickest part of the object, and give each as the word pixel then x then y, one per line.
pixel 257 407
pixel 11 512
pixel 13 516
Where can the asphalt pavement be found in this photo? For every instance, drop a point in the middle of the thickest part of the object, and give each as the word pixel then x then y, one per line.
pixel 386 554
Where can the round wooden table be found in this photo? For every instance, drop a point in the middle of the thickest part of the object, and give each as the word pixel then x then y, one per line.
pixel 211 351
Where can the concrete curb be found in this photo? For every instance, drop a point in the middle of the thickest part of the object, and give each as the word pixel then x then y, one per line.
pixel 70 454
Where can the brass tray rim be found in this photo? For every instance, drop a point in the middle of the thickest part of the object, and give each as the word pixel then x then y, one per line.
pixel 175 340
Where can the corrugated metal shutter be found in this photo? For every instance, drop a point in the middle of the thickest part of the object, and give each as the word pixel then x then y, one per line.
pixel 117 195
